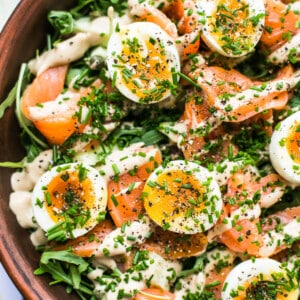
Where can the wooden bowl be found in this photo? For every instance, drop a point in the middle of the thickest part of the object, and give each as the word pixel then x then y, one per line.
pixel 23 34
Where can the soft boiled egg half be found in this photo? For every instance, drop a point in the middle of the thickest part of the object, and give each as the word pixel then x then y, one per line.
pixel 70 197
pixel 143 62
pixel 285 148
pixel 182 197
pixel 232 27
pixel 261 278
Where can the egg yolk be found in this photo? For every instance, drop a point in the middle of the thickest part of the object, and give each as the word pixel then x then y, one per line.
pixel 68 196
pixel 174 194
pixel 145 72
pixel 292 143
pixel 232 27
pixel 265 286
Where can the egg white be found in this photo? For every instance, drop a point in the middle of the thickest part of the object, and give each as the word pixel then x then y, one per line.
pixel 199 221
pixel 99 194
pixel 118 60
pixel 249 270
pixel 208 9
pixel 280 158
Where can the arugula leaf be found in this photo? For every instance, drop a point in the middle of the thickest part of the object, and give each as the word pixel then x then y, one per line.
pixel 9 100
pixel 65 267
pixel 27 141
pixel 13 165
pixel 86 7
pixel 65 256
pixel 31 148
pixel 21 82
pixel 62 21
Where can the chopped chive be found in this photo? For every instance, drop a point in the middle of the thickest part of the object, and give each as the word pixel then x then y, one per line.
pixel 48 199
pixel 114 200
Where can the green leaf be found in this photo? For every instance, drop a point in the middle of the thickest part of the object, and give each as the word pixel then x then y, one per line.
pixel 85 7
pixel 65 256
pixel 65 267
pixel 21 82
pixel 56 272
pixel 152 137
pixel 13 165
pixel 9 100
pixel 62 21
pixel 75 276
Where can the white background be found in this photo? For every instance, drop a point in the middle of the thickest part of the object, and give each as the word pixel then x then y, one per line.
pixel 7 289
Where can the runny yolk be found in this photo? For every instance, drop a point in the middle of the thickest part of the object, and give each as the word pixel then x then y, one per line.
pixel 145 71
pixel 231 25
pixel 67 195
pixel 293 143
pixel 174 194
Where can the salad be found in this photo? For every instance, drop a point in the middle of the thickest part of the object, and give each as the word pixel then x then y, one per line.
pixel 162 144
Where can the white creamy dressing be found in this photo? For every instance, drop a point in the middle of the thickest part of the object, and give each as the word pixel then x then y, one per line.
pixel 273 239
pixel 281 55
pixel 193 283
pixel 65 52
pixel 126 190
pixel 224 170
pixel 271 198
pixel 139 8
pixel 92 33
pixel 216 260
pixel 215 256
pixel 295 6
pixel 26 179
pixel 245 212
pixel 293 262
pixel 134 5
pixel 197 62
pixel 102 26
pixel 86 152
pixel 159 271
pixel 20 204
pixel 105 262
pixel 126 159
pixel 206 125
pixel 38 237
pixel 246 97
pixel 241 213
pixel 187 39
pixel 118 241
pixel 175 131
pixel 99 289
pixel 64 104
pixel 20 201
pixel 20 181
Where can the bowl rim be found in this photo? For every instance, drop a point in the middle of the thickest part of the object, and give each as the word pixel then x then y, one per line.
pixel 10 262
pixel 16 266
